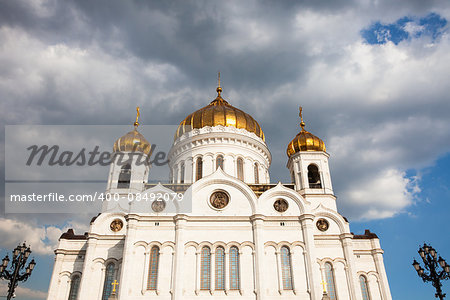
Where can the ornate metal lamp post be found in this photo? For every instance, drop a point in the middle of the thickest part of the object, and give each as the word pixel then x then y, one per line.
pixel 432 262
pixel 20 256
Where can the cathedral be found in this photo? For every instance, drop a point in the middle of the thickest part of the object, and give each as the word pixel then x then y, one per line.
pixel 242 237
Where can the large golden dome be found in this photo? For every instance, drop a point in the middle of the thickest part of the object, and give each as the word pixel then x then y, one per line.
pixel 305 141
pixel 219 112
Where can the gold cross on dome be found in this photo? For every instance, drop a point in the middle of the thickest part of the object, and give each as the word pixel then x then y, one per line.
pixel 114 284
pixel 300 114
pixel 324 284
pixel 136 123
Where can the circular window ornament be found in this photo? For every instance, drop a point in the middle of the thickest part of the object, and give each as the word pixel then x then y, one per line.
pixel 322 224
pixel 116 225
pixel 219 199
pixel 158 205
pixel 281 205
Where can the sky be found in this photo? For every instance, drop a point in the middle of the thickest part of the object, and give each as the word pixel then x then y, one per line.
pixel 371 75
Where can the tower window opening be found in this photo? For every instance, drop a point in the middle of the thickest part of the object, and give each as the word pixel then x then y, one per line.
pixel 219 162
pixel 199 173
pixel 329 276
pixel 74 286
pixel 234 268
pixel 205 269
pixel 314 177
pixel 364 287
pixel 124 177
pixel 109 278
pixel 182 173
pixel 220 269
pixel 256 171
pixel 240 169
pixel 286 268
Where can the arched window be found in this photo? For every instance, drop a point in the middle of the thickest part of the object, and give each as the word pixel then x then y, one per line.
pixel 256 171
pixel 74 285
pixel 234 268
pixel 220 268
pixel 329 274
pixel 314 177
pixel 205 272
pixel 153 268
pixel 199 168
pixel 240 169
pixel 364 287
pixel 219 162
pixel 109 278
pixel 286 273
pixel 182 173
pixel 124 177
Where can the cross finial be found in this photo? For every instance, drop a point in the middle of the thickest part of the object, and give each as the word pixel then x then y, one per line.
pixel 302 124
pixel 114 284
pixel 324 284
pixel 136 123
pixel 219 88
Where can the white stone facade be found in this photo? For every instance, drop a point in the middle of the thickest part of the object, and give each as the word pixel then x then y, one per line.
pixel 249 223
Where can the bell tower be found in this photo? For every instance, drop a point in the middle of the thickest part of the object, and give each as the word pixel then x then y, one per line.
pixel 308 164
pixel 130 162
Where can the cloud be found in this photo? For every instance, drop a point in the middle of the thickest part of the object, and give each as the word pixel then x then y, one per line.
pixel 41 239
pixel 381 108
pixel 22 292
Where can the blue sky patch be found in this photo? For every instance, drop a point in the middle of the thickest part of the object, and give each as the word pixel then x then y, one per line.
pixel 405 28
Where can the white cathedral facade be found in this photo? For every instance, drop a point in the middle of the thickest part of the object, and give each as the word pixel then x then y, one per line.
pixel 244 237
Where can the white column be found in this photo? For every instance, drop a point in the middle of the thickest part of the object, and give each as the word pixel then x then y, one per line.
pixel 229 165
pixel 178 274
pixel 258 227
pixel 198 271
pixel 346 240
pixel 295 266
pixel 127 259
pixel 249 176
pixel 212 269
pixel 377 254
pixel 85 291
pixel 189 170
pixel 53 288
pixel 280 272
pixel 311 262
pixel 227 271
pixel 208 165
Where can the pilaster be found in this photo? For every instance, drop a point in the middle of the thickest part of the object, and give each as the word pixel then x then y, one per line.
pixel 258 228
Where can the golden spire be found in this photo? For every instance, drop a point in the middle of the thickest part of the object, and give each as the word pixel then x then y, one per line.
pixel 302 124
pixel 136 123
pixel 219 89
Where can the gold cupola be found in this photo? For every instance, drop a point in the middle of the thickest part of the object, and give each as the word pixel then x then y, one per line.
pixel 305 141
pixel 133 141
pixel 219 112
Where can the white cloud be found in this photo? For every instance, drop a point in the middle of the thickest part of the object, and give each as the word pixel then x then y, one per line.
pixel 41 239
pixel 22 292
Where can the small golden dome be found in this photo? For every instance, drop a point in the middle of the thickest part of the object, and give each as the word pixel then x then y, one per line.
pixel 133 141
pixel 305 141
pixel 219 112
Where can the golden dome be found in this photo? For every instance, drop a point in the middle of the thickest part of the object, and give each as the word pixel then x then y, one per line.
pixel 219 112
pixel 305 141
pixel 133 141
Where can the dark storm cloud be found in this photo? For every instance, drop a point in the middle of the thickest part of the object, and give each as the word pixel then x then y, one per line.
pixel 92 62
